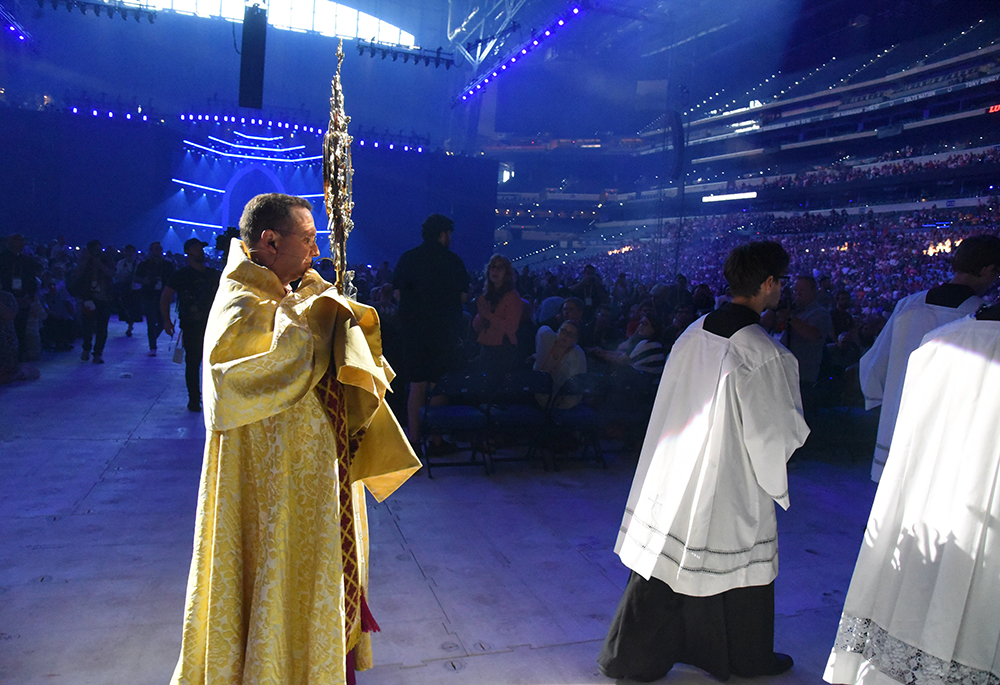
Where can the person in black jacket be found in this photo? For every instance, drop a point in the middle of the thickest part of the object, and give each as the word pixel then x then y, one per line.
pixel 431 284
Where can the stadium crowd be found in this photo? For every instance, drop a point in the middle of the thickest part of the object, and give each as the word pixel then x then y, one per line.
pixel 628 306
pixel 880 169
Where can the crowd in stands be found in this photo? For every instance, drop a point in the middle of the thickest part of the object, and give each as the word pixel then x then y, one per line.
pixel 633 307
pixel 880 169
pixel 611 313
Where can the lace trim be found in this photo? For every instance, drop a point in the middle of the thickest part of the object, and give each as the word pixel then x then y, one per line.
pixel 903 662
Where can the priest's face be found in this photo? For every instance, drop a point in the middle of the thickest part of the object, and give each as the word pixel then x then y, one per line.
pixel 296 247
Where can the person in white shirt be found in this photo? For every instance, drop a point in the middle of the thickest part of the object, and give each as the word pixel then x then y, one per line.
pixel 699 531
pixel 976 265
pixel 922 606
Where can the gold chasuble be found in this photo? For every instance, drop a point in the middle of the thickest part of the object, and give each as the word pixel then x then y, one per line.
pixel 297 428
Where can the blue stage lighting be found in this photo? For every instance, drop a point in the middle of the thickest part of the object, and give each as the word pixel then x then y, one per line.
pixel 192 223
pixel 195 185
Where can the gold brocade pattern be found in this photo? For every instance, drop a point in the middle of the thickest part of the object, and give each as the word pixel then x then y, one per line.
pixel 267 600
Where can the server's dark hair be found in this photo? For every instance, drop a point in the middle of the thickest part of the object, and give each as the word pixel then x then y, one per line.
pixel 748 266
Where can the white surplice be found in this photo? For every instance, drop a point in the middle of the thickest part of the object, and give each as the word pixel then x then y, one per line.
pixel 883 367
pixel 727 417
pixel 924 601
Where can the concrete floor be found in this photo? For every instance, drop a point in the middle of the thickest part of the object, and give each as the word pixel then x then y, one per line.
pixel 485 580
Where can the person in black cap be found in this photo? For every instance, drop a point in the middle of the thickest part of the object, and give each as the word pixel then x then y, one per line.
pixel 431 283
pixel 195 285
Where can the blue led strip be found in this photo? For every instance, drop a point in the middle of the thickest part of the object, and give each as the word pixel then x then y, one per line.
pixel 316 195
pixel 512 57
pixel 259 149
pixel 226 119
pixel 195 185
pixel 253 157
pixel 249 137
pixel 192 223
pixel 14 29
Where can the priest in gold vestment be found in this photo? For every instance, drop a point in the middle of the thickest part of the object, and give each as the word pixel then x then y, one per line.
pixel 297 428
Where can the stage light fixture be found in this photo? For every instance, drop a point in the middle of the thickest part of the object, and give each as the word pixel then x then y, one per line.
pixel 395 55
pixel 406 57
pixel 151 16
pixel 83 8
pixel 97 10
pixel 371 51
pixel 124 13
pixel 69 6
pixel 383 53
pixel 111 12
pixel 137 14
pixel 361 50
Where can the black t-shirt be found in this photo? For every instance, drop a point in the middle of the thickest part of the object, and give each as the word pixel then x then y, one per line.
pixel 430 279
pixel 153 276
pixel 195 293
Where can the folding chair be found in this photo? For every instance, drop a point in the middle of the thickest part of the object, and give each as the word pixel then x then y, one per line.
pixel 515 416
pixel 629 403
pixel 463 418
pixel 582 419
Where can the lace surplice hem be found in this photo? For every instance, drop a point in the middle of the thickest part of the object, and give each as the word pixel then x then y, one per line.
pixel 901 661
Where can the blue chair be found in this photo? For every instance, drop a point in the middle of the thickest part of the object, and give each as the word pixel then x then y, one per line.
pixel 582 420
pixel 515 416
pixel 463 417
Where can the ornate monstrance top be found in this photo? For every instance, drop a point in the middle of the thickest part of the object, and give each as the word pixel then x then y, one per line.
pixel 337 177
